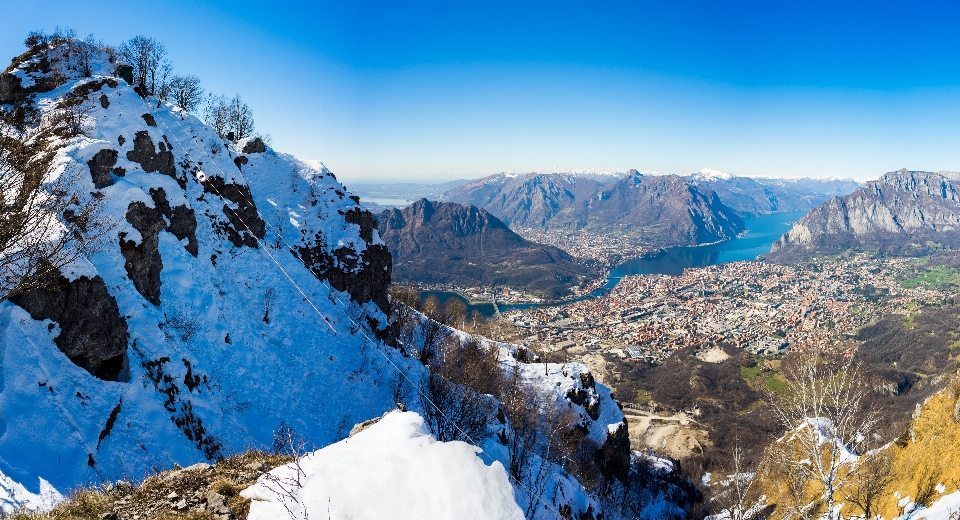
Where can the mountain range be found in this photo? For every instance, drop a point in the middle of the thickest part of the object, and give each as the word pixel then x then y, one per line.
pixel 749 196
pixel 445 242
pixel 663 210
pixel 903 212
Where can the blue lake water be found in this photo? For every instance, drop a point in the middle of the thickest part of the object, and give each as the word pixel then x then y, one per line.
pixel 762 232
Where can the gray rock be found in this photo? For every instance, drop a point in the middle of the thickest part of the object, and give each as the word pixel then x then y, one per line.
pixel 150 159
pixel 92 332
pixel 101 166
pixel 217 504
pixel 255 145
pixel 10 88
pixel 244 218
pixel 143 261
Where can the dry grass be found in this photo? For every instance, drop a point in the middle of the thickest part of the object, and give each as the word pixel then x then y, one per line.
pixel 151 499
pixel 922 458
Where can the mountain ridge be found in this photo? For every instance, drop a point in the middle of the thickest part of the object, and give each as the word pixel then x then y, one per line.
pixel 899 213
pixel 446 242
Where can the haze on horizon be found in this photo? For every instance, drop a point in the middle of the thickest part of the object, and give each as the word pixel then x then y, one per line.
pixel 437 91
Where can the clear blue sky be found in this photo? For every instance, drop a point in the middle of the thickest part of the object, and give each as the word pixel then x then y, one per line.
pixel 450 89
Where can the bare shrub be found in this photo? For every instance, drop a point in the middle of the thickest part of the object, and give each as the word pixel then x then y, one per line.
pixel 34 242
pixel 454 411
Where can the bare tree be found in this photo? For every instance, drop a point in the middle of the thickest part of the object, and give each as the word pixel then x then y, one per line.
pixel 240 119
pixel 455 411
pixel 87 51
pixel 433 309
pixel 34 243
pixel 735 500
pixel 870 482
pixel 185 92
pixel 456 312
pixel 147 56
pixel 825 412
pixel 216 113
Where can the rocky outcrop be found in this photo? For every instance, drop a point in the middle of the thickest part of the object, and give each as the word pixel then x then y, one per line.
pixel 92 332
pixel 143 260
pixel 246 226
pixel 903 212
pixel 239 161
pixel 10 89
pixel 183 221
pixel 102 165
pixel 254 145
pixel 365 277
pixel 145 153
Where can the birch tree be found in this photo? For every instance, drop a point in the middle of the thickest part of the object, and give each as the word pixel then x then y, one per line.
pixel 828 421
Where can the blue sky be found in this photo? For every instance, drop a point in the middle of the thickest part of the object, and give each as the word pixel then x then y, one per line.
pixel 454 89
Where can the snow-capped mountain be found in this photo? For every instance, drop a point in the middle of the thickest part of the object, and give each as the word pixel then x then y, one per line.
pixel 238 292
pixel 194 331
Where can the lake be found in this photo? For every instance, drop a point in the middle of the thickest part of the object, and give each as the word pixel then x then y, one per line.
pixel 762 232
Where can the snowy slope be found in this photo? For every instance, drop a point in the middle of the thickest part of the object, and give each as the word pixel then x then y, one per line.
pixel 247 290
pixel 230 347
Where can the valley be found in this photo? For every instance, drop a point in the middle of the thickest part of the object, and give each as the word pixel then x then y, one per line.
pixel 196 325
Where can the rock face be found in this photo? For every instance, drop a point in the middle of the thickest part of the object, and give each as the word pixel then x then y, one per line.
pixel 247 226
pixel 903 212
pixel 664 210
pixel 92 332
pixel 439 242
pixel 143 260
pixel 145 153
pixel 102 165
pixel 364 277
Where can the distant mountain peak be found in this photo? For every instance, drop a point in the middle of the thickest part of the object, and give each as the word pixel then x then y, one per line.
pixel 710 175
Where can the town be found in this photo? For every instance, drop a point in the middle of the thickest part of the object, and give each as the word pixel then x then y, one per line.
pixel 761 307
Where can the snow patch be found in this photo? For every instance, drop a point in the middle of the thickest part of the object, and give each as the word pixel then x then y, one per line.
pixel 14 496
pixel 393 469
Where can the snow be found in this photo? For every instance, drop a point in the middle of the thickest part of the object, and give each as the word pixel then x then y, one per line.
pixel 314 364
pixel 15 497
pixel 341 376
pixel 393 469
pixel 713 175
pixel 943 509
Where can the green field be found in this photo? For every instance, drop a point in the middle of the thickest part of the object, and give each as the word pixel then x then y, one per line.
pixel 937 275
